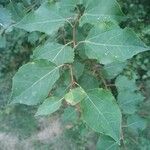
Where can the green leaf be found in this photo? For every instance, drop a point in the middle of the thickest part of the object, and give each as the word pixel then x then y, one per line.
pixel 69 116
pixel 69 5
pixel 101 10
pixel 33 37
pixel 106 143
pixel 66 78
pixel 101 112
pixel 2 41
pixel 113 45
pixel 88 81
pixel 47 18
pixel 113 69
pixel 128 101
pixel 49 106
pixel 5 18
pixel 75 96
pixel 56 53
pixel 17 9
pixel 60 90
pixel 78 69
pixel 135 123
pixel 128 97
pixel 33 81
pixel 124 84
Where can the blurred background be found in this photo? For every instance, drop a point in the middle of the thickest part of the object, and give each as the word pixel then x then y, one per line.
pixel 20 130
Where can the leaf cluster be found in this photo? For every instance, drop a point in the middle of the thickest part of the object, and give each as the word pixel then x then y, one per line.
pixel 81 64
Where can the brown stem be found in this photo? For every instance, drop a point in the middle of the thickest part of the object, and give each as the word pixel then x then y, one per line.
pixel 64 39
pixel 74 45
pixel 123 140
pixel 71 73
pixel 74 28
pixel 103 81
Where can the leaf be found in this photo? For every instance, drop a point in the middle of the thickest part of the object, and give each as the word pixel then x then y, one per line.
pixel 113 45
pixel 33 37
pixel 5 18
pixel 75 96
pixel 2 41
pixel 113 69
pixel 56 53
pixel 49 106
pixel 135 123
pixel 88 81
pixel 101 112
pixel 62 85
pixel 66 78
pixel 106 143
pixel 124 84
pixel 78 69
pixel 47 18
pixel 69 116
pixel 17 9
pixel 69 5
pixel 33 81
pixel 101 10
pixel 60 90
pixel 129 101
pixel 128 97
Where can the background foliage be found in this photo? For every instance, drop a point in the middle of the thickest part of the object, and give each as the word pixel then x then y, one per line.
pixel 15 49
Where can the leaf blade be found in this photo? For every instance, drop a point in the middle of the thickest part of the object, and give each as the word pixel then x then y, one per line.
pixel 129 96
pixel 56 53
pixel 49 106
pixel 33 81
pixel 101 10
pixel 106 121
pixel 106 143
pixel 113 46
pixel 75 96
pixel 47 18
